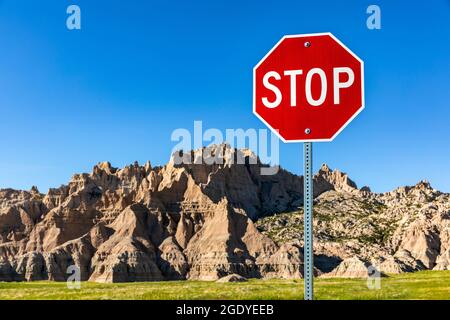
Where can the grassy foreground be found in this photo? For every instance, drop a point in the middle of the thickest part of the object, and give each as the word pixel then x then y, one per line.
pixel 419 285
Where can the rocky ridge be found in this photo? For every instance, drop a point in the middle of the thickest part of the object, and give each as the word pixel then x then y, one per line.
pixel 404 230
pixel 207 220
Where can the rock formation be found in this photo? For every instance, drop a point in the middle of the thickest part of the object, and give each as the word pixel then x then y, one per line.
pixel 232 278
pixel 352 268
pixel 400 231
pixel 212 216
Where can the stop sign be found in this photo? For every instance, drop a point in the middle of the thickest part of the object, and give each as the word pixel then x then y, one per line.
pixel 308 87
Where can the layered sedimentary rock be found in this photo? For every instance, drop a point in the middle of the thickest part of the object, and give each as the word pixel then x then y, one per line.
pixel 211 215
pixel 352 268
pixel 232 278
pixel 404 230
pixel 185 220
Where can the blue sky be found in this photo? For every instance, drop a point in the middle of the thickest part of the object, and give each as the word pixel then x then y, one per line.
pixel 137 70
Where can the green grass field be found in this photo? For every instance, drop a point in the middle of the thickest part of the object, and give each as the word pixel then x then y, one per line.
pixel 419 285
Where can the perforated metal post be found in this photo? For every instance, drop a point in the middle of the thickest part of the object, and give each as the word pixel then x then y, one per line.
pixel 308 222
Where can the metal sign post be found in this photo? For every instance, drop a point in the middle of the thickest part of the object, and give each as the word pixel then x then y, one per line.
pixel 283 99
pixel 308 263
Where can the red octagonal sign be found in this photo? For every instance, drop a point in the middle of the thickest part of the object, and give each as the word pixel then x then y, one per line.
pixel 308 87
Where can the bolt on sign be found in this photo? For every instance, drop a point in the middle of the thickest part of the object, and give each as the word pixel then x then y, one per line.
pixel 308 88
